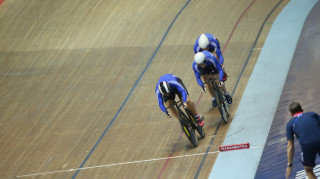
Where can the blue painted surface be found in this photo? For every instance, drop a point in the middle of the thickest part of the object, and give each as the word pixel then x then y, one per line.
pixel 274 160
pixel 257 107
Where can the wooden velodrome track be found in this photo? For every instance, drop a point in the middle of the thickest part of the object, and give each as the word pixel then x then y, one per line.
pixel 78 78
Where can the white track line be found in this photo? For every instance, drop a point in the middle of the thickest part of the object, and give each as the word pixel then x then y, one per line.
pixel 124 163
pixel 109 165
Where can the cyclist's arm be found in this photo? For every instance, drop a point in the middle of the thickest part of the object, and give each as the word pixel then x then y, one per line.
pixel 198 77
pixel 183 92
pixel 196 47
pixel 219 54
pixel 220 70
pixel 160 101
pixel 215 42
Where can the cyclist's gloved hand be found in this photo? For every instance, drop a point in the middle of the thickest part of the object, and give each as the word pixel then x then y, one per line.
pixel 204 89
pixel 168 114
pixel 221 83
pixel 225 76
pixel 184 105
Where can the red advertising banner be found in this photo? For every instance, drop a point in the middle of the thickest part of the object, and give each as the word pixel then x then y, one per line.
pixel 234 147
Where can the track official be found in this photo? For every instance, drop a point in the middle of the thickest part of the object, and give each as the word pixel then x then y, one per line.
pixel 306 127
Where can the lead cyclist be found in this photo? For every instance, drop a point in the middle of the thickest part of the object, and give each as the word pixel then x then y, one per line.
pixel 166 89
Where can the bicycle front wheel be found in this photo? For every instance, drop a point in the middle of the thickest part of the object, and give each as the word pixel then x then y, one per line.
pixel 222 106
pixel 226 108
pixel 223 113
pixel 188 130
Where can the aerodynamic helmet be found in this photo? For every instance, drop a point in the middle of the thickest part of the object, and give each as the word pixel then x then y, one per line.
pixel 199 58
pixel 164 88
pixel 203 41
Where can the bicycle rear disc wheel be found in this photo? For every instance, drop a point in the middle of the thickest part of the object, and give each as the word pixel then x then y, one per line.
pixel 195 125
pixel 188 130
pixel 223 113
pixel 220 106
pixel 226 108
pixel 201 131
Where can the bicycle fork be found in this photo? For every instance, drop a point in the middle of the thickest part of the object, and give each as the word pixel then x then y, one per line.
pixel 184 123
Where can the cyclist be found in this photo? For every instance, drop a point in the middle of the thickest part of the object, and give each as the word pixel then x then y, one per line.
pixel 206 66
pixel 210 43
pixel 167 87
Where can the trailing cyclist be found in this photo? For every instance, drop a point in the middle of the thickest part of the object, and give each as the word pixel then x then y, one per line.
pixel 166 89
pixel 210 43
pixel 206 66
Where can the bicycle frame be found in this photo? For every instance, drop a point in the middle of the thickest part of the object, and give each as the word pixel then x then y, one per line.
pixel 194 124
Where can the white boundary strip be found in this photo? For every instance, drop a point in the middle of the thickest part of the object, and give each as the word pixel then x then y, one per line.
pixel 124 163
pixel 259 102
pixel 115 164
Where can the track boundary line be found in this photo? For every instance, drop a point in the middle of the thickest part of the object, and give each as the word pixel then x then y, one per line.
pixel 115 164
pixel 123 163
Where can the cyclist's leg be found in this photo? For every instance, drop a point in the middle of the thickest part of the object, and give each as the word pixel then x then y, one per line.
pixel 192 108
pixel 226 93
pixel 168 101
pixel 172 109
pixel 223 86
pixel 224 89
pixel 190 104
pixel 205 78
pixel 210 88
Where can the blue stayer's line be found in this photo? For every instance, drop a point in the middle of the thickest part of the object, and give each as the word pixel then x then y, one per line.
pixel 134 86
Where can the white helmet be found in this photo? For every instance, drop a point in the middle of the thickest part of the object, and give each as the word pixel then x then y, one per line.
pixel 203 41
pixel 199 58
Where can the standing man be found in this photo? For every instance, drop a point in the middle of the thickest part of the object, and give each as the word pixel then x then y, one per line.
pixel 306 127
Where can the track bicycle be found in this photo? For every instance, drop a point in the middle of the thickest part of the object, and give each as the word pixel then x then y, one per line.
pixel 188 123
pixel 222 103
